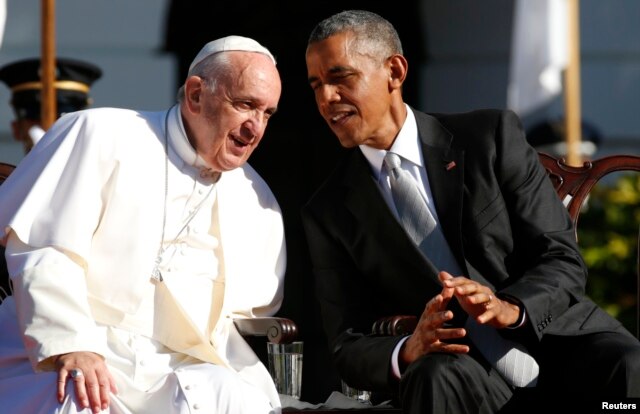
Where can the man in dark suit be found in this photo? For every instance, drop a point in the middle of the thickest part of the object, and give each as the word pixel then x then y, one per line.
pixel 514 266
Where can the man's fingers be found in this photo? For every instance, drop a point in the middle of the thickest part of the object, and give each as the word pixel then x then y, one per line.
pixel 77 376
pixel 434 304
pixel 436 314
pixel 104 395
pixel 92 384
pixel 450 333
pixel 112 383
pixel 62 382
pixel 93 393
pixel 439 302
pixel 444 276
pixel 451 348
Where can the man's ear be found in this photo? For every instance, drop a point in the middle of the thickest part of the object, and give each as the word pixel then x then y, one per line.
pixel 193 88
pixel 398 67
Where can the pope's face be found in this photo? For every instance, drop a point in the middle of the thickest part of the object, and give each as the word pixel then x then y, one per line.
pixel 352 91
pixel 231 120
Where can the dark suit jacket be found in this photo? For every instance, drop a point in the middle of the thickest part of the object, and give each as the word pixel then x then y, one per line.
pixel 500 215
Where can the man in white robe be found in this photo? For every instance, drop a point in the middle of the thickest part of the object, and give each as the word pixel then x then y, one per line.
pixel 133 239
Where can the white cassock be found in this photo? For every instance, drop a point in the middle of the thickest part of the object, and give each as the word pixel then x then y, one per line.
pixel 83 217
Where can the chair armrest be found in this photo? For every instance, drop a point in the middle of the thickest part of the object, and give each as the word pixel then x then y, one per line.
pixel 277 330
pixel 397 325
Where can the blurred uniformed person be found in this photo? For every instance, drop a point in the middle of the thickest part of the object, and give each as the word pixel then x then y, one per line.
pixel 73 79
pixel 550 137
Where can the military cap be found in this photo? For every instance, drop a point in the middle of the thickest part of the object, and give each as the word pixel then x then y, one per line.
pixel 73 79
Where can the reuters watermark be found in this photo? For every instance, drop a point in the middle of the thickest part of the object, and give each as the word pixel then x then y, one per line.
pixel 619 405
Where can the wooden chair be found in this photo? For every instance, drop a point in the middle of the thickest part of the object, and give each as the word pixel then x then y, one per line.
pixel 577 182
pixel 573 185
pixel 274 329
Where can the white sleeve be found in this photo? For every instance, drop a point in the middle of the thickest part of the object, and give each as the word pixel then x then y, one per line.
pixel 51 300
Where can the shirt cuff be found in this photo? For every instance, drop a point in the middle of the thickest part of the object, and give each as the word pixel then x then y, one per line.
pixel 395 364
pixel 521 320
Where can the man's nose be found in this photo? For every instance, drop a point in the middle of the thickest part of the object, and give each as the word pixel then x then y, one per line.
pixel 327 94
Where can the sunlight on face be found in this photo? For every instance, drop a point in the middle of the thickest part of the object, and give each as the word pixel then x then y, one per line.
pixel 234 117
pixel 350 88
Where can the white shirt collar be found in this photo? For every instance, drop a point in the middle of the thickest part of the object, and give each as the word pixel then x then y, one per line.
pixel 180 143
pixel 406 144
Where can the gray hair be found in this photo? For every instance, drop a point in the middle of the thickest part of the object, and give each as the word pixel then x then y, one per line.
pixel 210 69
pixel 374 35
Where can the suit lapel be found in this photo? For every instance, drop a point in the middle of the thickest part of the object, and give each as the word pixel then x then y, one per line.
pixel 363 193
pixel 366 203
pixel 445 169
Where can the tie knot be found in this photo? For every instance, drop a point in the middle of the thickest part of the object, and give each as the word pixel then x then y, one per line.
pixel 392 160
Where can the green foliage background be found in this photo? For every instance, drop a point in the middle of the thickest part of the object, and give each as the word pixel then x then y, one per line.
pixel 608 238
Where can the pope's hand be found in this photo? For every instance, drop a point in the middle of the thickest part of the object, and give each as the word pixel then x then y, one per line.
pixel 93 382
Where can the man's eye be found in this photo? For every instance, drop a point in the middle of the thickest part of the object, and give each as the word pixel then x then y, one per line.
pixel 340 77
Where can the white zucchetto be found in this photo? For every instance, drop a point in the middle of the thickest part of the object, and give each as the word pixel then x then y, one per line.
pixel 230 43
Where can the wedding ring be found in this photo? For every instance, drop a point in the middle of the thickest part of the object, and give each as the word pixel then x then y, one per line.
pixel 76 373
pixel 488 303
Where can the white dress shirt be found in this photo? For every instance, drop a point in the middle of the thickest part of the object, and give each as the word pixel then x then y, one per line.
pixel 407 146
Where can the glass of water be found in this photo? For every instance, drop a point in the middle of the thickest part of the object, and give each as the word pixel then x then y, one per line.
pixel 358 395
pixel 285 367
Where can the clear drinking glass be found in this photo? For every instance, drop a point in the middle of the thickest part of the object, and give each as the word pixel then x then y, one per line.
pixel 285 367
pixel 358 395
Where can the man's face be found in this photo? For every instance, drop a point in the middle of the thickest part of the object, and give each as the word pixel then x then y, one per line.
pixel 352 91
pixel 230 121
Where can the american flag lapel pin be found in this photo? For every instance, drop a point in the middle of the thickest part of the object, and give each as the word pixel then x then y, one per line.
pixel 451 165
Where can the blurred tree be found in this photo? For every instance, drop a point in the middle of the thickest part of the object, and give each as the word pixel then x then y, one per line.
pixel 608 238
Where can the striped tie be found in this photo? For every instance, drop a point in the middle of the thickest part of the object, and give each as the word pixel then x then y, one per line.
pixel 509 358
pixel 415 216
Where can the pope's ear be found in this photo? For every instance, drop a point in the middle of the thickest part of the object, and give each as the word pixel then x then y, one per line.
pixel 398 67
pixel 193 93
